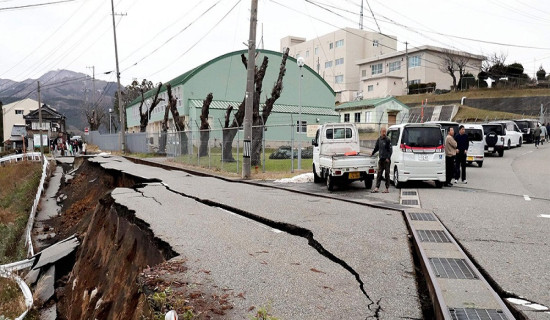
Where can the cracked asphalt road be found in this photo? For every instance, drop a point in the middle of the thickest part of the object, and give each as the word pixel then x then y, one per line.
pixel 229 251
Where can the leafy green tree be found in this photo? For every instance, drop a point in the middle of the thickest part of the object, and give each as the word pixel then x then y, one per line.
pixel 514 70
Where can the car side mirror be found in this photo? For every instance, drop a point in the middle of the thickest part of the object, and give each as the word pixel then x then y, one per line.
pixel 313 143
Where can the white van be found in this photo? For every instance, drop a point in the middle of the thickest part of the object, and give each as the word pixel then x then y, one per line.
pixel 476 149
pixel 418 153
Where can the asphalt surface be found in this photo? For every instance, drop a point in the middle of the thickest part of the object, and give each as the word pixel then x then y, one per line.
pixel 283 269
pixel 496 218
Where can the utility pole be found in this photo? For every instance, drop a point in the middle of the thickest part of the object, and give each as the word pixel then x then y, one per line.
pixel 40 120
pixel 249 98
pixel 120 106
pixel 407 62
pixel 361 16
pixel 93 84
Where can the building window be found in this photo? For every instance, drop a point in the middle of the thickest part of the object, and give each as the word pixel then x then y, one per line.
pixel 376 69
pixel 18 111
pixel 363 73
pixel 346 117
pixel 375 43
pixel 357 117
pixel 370 88
pixel 340 43
pixel 304 126
pixel 339 79
pixel 331 45
pixel 307 53
pixel 339 61
pixel 316 50
pixel 414 61
pixel 368 116
pixel 328 64
pixel 416 81
pixel 394 66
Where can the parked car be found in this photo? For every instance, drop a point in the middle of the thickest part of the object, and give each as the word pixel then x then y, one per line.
pixel 445 125
pixel 476 149
pixel 418 153
pixel 337 157
pixel 514 137
pixel 527 126
pixel 495 134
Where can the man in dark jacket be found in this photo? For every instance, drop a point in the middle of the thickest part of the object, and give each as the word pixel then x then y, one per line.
pixel 383 144
pixel 462 145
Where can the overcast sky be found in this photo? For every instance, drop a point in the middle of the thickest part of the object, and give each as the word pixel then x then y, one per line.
pixel 162 39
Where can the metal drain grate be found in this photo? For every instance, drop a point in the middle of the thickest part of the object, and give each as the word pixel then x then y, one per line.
pixel 422 216
pixel 408 193
pixel 476 314
pixel 409 202
pixel 433 236
pixel 452 268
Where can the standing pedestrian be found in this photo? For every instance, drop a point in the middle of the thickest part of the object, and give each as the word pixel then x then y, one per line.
pixel 450 155
pixel 547 131
pixel 383 144
pixel 536 135
pixel 462 143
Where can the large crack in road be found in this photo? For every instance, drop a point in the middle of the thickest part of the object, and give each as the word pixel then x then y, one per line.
pixel 373 306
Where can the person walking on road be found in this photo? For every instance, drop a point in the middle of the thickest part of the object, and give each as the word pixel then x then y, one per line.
pixel 450 155
pixel 536 136
pixel 460 161
pixel 383 144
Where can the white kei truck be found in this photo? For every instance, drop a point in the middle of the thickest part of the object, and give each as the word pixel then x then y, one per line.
pixel 337 158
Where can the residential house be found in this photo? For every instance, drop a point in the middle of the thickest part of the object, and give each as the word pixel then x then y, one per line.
pixel 370 114
pixel 386 74
pixel 13 116
pixel 53 125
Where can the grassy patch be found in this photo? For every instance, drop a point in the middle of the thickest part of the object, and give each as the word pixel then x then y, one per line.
pixel 274 168
pixel 473 94
pixel 19 183
pixel 469 114
pixel 12 301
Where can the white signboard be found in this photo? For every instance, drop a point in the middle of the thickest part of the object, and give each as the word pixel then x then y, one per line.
pixel 37 140
pixel 312 130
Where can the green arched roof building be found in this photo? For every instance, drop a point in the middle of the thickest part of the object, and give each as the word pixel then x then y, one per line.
pixel 225 77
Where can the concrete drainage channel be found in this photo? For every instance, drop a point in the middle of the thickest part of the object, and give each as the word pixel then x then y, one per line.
pixel 457 288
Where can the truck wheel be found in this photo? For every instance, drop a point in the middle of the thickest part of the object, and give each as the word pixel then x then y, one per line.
pixel 501 152
pixel 396 182
pixel 316 178
pixel 438 184
pixel 368 181
pixel 479 163
pixel 509 146
pixel 330 183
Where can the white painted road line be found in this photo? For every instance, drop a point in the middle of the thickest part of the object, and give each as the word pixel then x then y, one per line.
pixel 529 304
pixel 544 216
pixel 526 197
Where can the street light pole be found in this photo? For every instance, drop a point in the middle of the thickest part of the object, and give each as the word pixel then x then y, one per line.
pixel 110 119
pixel 300 63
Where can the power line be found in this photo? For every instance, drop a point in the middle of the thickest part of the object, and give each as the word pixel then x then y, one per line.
pixel 35 5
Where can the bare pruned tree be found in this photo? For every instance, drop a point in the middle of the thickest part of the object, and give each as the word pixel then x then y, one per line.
pixel 178 121
pixel 453 62
pixel 94 116
pixel 145 117
pixel 205 126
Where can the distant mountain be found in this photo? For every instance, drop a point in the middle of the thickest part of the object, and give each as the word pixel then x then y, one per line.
pixel 66 91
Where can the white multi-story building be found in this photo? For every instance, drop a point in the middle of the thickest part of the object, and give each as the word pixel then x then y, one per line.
pixel 334 56
pixel 386 75
pixel 13 114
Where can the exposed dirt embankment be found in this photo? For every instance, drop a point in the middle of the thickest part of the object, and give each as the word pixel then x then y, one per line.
pixel 115 248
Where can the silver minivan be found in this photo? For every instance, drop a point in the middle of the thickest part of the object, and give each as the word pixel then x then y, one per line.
pixel 477 145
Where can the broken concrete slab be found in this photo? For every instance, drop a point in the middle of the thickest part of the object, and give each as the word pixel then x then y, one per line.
pixel 49 313
pixel 45 288
pixel 55 252
pixel 31 277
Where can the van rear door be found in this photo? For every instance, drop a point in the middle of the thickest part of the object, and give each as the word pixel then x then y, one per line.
pixel 422 147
